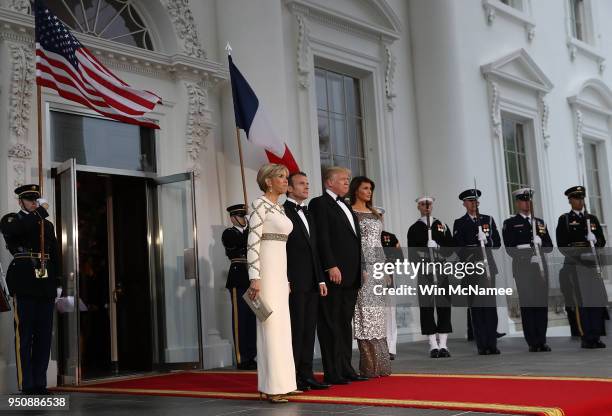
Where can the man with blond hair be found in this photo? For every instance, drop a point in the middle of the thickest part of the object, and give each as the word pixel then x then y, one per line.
pixel 339 242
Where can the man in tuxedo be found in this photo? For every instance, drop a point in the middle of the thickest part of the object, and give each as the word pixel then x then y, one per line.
pixel 339 242
pixel 306 280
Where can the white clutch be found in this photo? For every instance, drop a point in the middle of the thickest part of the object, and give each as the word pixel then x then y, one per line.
pixel 261 310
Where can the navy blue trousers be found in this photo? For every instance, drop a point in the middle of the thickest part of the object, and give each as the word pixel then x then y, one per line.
pixel 33 330
pixel 244 327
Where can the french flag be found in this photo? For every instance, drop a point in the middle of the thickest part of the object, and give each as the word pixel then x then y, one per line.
pixel 251 117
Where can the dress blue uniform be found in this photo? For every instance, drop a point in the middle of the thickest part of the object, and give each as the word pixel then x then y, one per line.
pixel 531 283
pixel 243 319
pixel 483 308
pixel 33 295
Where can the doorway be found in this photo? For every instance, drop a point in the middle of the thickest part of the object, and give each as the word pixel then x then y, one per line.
pixel 138 292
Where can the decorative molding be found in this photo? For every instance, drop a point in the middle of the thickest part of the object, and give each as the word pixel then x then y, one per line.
pixel 199 123
pixel 390 63
pixel 584 102
pixel 576 46
pixel 492 7
pixel 502 69
pixel 494 109
pixel 22 86
pixel 185 27
pixel 303 50
pixel 579 127
pixel 21 6
pixel 544 115
pixel 20 151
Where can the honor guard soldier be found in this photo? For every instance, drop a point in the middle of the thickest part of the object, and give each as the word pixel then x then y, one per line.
pixel 243 319
pixel 526 239
pixel 32 280
pixel 431 239
pixel 477 234
pixel 578 235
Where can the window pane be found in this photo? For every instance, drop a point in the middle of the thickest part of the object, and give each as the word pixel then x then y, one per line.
pixel 520 138
pixel 508 133
pixel 342 161
pixel 321 89
pixel 356 138
pixel 358 167
pixel 512 170
pixel 339 135
pixel 351 88
pixel 324 142
pixel 335 93
pixel 102 143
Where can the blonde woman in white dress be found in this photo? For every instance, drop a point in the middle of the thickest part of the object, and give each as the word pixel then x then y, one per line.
pixel 267 261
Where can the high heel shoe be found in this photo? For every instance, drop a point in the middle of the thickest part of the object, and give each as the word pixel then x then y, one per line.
pixel 295 392
pixel 273 398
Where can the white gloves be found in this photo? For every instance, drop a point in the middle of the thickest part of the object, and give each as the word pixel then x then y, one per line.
pixel 591 237
pixel 432 244
pixel 42 201
pixel 537 241
pixel 482 236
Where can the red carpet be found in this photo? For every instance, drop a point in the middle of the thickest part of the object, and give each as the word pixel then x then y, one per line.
pixel 548 396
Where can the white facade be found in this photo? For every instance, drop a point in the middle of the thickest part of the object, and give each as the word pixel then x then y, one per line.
pixel 437 78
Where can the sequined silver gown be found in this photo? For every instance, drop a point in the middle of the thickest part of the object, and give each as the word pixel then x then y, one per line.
pixel 369 320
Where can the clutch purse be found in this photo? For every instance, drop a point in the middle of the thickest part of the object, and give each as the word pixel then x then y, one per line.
pixel 5 302
pixel 261 309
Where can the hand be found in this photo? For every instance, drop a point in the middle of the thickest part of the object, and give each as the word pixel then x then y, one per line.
pixel 591 237
pixel 334 275
pixel 388 281
pixel 42 202
pixel 254 289
pixel 482 236
pixel 323 289
pixel 432 244
pixel 537 241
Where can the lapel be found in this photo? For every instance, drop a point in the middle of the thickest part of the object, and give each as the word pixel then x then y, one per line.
pixel 340 212
pixel 290 208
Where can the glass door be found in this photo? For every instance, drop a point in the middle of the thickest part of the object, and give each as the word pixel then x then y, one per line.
pixel 68 321
pixel 177 300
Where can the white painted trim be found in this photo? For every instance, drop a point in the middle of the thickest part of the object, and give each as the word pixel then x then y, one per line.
pixel 496 70
pixel 521 17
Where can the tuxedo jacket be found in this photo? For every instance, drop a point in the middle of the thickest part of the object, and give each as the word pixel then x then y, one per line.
pixel 304 269
pixel 339 245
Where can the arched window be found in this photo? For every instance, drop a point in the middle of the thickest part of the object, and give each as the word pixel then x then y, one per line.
pixel 115 20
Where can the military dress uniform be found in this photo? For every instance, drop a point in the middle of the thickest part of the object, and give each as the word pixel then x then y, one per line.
pixel 582 287
pixel 33 294
pixel 483 308
pixel 418 250
pixel 243 319
pixel 532 284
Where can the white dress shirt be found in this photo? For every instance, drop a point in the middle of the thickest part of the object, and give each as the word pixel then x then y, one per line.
pixel 301 213
pixel 241 229
pixel 346 210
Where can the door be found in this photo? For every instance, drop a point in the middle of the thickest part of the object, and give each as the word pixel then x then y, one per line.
pixel 177 283
pixel 68 321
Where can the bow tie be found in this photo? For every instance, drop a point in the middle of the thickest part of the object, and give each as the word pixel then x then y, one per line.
pixel 339 198
pixel 301 207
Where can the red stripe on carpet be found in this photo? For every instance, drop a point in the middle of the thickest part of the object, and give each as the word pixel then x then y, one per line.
pixel 550 396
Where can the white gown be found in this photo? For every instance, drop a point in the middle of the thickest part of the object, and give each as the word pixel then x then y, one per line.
pixel 267 260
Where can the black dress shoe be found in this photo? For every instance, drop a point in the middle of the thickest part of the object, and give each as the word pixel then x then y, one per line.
pixel 494 351
pixel 302 385
pixel 599 344
pixel 588 345
pixel 247 365
pixel 534 348
pixel 43 392
pixel 483 351
pixel 435 353
pixel 337 381
pixel 443 353
pixel 545 348
pixel 356 377
pixel 500 334
pixel 391 356
pixel 315 385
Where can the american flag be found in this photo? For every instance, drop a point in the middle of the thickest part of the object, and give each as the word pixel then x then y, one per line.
pixel 64 65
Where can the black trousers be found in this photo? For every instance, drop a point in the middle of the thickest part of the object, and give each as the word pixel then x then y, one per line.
pixel 535 324
pixel 244 327
pixel 336 332
pixel 592 320
pixel 33 330
pixel 484 325
pixel 429 303
pixel 303 307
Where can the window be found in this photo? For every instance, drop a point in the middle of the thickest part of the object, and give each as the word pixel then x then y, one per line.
pixel 115 20
pixel 341 141
pixel 515 4
pixel 102 143
pixel 515 156
pixel 577 19
pixel 593 181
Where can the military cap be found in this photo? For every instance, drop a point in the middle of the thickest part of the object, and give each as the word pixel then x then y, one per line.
pixel 470 194
pixel 380 210
pixel 576 192
pixel 30 192
pixel 425 198
pixel 523 194
pixel 238 210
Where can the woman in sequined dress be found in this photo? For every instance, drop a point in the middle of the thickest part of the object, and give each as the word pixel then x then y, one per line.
pixel 369 319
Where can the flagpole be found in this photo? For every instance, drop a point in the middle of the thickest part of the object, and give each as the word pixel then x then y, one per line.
pixel 43 271
pixel 244 191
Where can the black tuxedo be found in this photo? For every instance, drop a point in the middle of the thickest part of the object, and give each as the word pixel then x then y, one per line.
pixel 304 273
pixel 339 246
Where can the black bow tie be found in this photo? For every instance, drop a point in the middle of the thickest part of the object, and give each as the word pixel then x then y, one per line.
pixel 301 207
pixel 339 198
